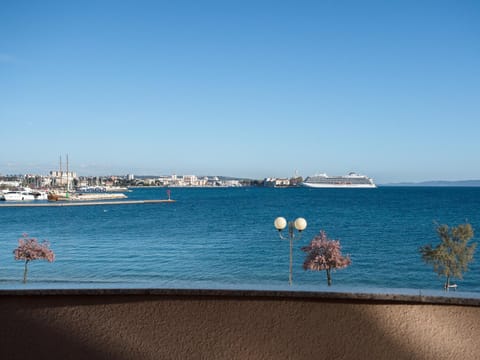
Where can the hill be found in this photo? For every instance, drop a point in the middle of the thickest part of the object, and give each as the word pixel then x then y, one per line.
pixel 465 183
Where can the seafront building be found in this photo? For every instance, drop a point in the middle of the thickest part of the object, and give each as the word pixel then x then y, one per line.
pixel 282 182
pixel 7 184
pixel 187 181
pixel 63 179
pixel 69 180
pixel 58 179
pixel 276 182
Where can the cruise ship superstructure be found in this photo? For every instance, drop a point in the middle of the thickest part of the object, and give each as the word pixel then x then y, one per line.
pixel 352 180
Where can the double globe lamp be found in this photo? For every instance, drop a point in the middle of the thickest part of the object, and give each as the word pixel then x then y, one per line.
pixel 299 224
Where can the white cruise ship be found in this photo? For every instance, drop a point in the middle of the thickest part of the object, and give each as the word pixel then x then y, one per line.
pixel 352 180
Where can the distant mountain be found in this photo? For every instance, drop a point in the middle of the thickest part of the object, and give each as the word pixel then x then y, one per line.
pixel 437 183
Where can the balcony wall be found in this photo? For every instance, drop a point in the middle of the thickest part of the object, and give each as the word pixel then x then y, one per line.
pixel 196 324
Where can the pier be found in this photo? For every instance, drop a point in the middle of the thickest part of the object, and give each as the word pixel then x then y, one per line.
pixel 87 203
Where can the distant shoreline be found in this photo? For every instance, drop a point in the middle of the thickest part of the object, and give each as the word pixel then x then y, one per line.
pixel 438 183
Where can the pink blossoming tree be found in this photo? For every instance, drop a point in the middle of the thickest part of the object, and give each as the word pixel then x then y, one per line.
pixel 324 254
pixel 30 249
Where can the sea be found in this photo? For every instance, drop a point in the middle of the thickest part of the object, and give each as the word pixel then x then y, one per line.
pixel 224 238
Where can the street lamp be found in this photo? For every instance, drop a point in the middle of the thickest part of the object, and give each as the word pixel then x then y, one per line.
pixel 300 224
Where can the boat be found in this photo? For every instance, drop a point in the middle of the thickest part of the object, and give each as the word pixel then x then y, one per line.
pixel 18 195
pixel 101 189
pixel 40 194
pixel 75 196
pixel 352 180
pixel 98 196
pixel 23 194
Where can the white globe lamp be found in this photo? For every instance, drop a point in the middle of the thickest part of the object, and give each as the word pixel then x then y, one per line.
pixel 300 224
pixel 280 223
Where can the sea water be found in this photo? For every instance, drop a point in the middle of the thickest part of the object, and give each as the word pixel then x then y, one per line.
pixel 225 238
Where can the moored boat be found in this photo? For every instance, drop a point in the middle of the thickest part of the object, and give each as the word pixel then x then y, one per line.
pixel 40 194
pixel 23 194
pixel 18 195
pixel 59 196
pixel 101 189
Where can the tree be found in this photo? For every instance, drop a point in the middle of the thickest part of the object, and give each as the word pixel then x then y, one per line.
pixel 324 254
pixel 30 249
pixel 451 257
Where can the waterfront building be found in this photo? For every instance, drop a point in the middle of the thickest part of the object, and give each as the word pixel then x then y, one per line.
pixel 9 184
pixel 62 178
pixel 36 181
pixel 232 183
pixel 275 182
pixel 190 180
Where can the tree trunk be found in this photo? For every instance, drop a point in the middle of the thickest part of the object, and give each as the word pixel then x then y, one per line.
pixel 25 273
pixel 329 278
pixel 447 283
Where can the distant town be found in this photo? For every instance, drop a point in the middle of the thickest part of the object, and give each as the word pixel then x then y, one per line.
pixel 64 179
pixel 58 179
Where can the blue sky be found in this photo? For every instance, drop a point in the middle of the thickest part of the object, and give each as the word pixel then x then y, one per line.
pixel 242 88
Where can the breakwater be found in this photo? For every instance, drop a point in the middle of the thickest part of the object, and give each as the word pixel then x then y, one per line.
pixel 85 203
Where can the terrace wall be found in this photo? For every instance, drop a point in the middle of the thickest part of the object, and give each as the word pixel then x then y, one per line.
pixel 168 324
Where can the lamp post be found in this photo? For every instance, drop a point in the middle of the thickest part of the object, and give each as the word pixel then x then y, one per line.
pixel 300 224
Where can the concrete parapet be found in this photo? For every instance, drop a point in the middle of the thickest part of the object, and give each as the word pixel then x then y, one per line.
pixel 222 324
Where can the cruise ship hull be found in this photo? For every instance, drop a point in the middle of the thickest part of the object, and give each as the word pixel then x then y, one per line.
pixel 339 186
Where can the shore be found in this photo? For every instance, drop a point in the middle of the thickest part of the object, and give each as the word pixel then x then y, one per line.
pixel 220 324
